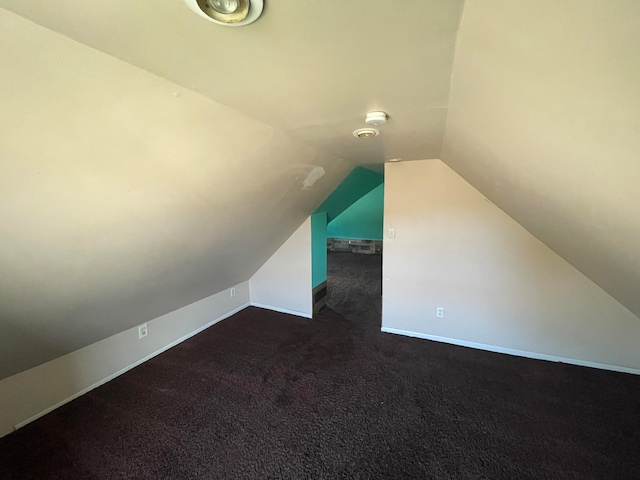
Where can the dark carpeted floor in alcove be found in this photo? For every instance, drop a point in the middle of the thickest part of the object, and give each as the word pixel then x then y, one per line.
pixel 354 286
pixel 264 395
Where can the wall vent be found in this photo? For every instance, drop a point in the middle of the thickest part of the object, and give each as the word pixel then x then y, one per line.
pixel 319 295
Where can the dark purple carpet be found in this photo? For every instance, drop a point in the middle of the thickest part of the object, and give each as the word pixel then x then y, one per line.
pixel 354 286
pixel 264 395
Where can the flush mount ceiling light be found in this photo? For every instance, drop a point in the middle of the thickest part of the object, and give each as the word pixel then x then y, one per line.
pixel 366 133
pixel 376 118
pixel 231 13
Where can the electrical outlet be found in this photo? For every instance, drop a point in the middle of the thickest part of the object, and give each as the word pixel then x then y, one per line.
pixel 232 291
pixel 440 312
pixel 143 331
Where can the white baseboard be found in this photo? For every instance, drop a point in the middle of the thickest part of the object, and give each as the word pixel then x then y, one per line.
pixel 511 351
pixel 31 394
pixel 281 310
pixel 127 368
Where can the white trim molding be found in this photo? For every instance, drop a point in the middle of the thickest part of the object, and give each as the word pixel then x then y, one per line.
pixel 31 394
pixel 281 310
pixel 127 368
pixel 511 351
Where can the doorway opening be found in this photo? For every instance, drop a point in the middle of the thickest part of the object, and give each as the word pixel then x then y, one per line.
pixel 347 246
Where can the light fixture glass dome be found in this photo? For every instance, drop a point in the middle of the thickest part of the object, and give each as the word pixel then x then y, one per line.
pixel 230 13
pixel 224 6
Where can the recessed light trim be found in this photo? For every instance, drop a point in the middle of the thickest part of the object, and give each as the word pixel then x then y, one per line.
pixel 366 133
pixel 395 160
pixel 230 13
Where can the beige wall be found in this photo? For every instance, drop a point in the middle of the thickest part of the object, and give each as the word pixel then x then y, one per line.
pixel 29 394
pixel 544 119
pixel 124 196
pixel 501 287
pixel 283 283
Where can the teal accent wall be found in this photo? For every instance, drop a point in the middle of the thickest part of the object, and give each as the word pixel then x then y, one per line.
pixel 318 248
pixel 359 182
pixel 363 220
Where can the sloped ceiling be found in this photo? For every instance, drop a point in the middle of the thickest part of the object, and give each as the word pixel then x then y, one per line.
pixel 124 196
pixel 364 219
pixel 357 184
pixel 544 119
pixel 150 158
pixel 311 68
pixel 131 184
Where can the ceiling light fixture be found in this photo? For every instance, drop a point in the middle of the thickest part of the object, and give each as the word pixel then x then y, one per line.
pixel 395 160
pixel 231 13
pixel 366 133
pixel 376 118
pixel 225 6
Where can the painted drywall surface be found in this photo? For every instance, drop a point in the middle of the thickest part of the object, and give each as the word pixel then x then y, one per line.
pixel 499 285
pixel 359 182
pixel 283 283
pixel 263 73
pixel 124 196
pixel 318 248
pixel 362 220
pixel 30 393
pixel 544 119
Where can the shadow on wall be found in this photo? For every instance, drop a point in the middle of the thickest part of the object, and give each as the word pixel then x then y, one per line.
pixel 22 396
pixel 13 337
pixel 356 185
pixel 363 220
